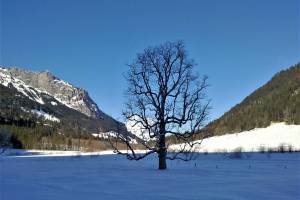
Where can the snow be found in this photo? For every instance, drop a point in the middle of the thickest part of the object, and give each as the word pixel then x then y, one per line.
pixel 272 137
pixel 111 177
pixel 35 93
pixel 95 107
pixel 56 153
pixel 63 83
pixel 105 135
pixel 75 102
pixel 30 92
pixel 137 129
pixel 45 115
pixel 53 103
pixel 3 69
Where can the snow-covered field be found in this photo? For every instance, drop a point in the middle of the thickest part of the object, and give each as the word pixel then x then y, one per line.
pixel 53 153
pixel 269 138
pixel 212 176
pixel 55 175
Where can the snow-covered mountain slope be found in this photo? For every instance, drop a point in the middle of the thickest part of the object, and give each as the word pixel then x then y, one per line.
pixel 23 91
pixel 137 130
pixel 45 115
pixel 33 84
pixel 272 137
pixel 6 79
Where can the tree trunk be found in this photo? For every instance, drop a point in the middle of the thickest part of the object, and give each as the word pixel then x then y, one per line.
pixel 162 154
pixel 162 160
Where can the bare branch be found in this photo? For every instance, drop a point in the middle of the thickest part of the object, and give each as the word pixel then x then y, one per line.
pixel 165 97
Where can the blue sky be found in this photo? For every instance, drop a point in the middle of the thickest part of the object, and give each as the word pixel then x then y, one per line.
pixel 240 45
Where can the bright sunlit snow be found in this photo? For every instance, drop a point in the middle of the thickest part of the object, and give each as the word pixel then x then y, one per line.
pixel 45 115
pixel 111 177
pixel 53 103
pixel 105 135
pixel 137 129
pixel 272 137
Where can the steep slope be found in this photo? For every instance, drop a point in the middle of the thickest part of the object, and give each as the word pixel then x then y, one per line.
pixel 35 95
pixel 276 101
pixel 276 137
pixel 65 93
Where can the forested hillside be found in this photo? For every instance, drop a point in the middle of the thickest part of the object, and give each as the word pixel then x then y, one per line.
pixel 64 117
pixel 276 101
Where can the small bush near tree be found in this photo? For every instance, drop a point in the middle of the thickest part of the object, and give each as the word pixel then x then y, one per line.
pixel 281 148
pixel 262 149
pixel 290 148
pixel 237 153
pixel 5 140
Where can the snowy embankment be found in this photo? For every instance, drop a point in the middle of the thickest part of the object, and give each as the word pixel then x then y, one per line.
pixel 49 153
pixel 259 139
pixel 54 153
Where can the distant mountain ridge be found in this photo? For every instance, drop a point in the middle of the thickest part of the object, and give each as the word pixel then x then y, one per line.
pixel 67 94
pixel 277 101
pixel 41 92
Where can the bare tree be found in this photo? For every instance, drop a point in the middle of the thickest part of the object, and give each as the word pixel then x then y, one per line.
pixel 165 98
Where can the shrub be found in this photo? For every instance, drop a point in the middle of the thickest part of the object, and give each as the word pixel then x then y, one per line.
pixel 282 148
pixel 290 148
pixel 262 149
pixel 5 139
pixel 237 153
pixel 271 150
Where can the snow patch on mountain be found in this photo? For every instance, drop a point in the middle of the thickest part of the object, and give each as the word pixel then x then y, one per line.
pixel 63 82
pixel 106 135
pixel 45 115
pixel 53 103
pixel 137 129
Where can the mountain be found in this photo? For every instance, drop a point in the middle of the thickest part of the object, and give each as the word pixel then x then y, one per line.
pixel 40 95
pixel 277 101
pixel 44 82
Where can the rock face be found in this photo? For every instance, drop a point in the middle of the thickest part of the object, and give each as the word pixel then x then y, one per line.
pixel 67 94
pixel 52 99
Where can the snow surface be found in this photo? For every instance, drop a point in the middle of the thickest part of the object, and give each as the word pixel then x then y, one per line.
pixel 105 135
pixel 111 177
pixel 76 102
pixel 53 103
pixel 45 115
pixel 51 153
pixel 63 83
pixel 272 137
